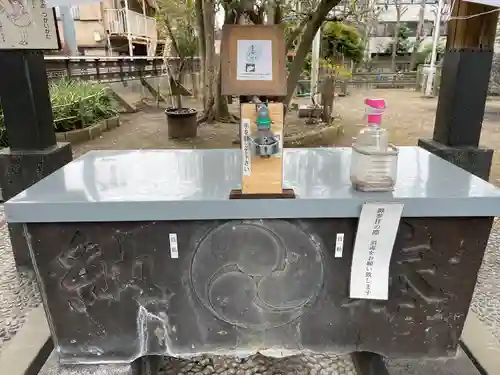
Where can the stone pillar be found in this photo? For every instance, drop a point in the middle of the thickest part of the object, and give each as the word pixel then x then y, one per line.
pixel 464 87
pixel 34 152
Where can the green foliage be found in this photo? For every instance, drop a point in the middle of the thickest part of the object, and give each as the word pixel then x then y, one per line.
pixel 78 104
pixel 180 17
pixel 334 70
pixel 288 28
pixel 425 52
pixel 187 41
pixel 404 44
pixel 75 104
pixel 308 64
pixel 339 39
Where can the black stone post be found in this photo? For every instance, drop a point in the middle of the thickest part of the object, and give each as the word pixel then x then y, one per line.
pixel 34 152
pixel 463 90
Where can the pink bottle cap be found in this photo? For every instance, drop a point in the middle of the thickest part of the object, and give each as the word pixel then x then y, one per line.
pixel 375 108
pixel 375 103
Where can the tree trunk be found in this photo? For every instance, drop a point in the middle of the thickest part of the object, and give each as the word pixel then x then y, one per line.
pixel 327 97
pixel 216 105
pixel 221 105
pixel 209 66
pixel 294 35
pixel 312 27
pixel 271 7
pixel 419 36
pixel 201 44
pixel 395 43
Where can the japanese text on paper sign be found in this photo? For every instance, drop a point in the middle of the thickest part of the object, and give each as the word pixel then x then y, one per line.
pixel 372 252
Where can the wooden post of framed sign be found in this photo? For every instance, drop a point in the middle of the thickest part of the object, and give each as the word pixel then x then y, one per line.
pixel 253 64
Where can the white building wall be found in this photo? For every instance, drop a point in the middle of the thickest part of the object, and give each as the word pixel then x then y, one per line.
pixel 410 15
pixel 378 43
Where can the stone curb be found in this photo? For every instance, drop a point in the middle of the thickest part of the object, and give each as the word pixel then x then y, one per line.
pixel 29 349
pixel 480 342
pixel 308 138
pixel 305 139
pixel 88 133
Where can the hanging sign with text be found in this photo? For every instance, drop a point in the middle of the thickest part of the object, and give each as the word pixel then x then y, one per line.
pixel 377 229
pixel 27 25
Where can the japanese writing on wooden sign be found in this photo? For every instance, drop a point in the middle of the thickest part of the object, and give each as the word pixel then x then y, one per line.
pixel 377 229
pixel 247 152
pixel 27 25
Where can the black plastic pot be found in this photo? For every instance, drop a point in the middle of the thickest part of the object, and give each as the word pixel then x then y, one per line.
pixel 182 122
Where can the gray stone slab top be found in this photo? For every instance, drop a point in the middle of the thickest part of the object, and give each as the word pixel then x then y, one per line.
pixel 143 185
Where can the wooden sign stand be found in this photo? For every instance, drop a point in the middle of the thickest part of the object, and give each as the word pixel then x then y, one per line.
pixel 253 57
pixel 261 177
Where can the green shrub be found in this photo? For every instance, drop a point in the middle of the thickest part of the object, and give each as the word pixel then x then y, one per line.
pixel 75 105
pixel 78 104
pixel 340 39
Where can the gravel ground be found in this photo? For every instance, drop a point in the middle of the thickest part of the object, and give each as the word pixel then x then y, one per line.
pixel 486 300
pixel 260 365
pixel 18 292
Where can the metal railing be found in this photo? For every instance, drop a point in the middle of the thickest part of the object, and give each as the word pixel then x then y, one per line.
pixel 367 81
pixel 141 26
pixel 112 69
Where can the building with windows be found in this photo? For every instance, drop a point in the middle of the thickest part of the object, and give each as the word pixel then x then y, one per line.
pixel 383 32
pixel 115 27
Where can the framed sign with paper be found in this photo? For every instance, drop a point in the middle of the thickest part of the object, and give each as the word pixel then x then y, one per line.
pixel 27 25
pixel 253 60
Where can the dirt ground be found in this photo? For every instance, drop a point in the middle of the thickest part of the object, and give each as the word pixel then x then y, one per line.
pixel 408 118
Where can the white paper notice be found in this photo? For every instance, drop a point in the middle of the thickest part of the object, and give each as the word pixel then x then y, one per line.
pixel 339 245
pixel 377 229
pixel 254 60
pixel 174 246
pixel 246 147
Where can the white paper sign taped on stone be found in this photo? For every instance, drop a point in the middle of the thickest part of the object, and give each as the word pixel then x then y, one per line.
pixel 246 147
pixel 339 245
pixel 174 246
pixel 377 230
pixel 70 3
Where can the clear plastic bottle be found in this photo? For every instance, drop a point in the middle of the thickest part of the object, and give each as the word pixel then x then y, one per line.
pixel 374 161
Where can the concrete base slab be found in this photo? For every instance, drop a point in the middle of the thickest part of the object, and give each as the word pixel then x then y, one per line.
pixel 53 367
pixel 482 344
pixel 27 352
pixel 373 364
pixel 458 365
pixel 308 111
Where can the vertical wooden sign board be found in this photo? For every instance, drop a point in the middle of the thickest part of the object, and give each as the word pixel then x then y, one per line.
pixel 253 64
pixel 261 175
